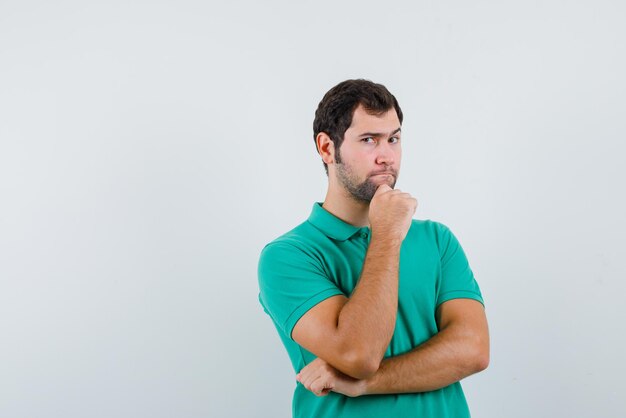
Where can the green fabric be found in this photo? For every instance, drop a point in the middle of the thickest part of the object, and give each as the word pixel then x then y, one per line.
pixel 323 257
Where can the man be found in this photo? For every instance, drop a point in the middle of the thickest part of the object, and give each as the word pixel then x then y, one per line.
pixel 380 313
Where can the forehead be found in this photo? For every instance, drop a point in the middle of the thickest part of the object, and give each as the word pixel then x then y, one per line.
pixel 362 121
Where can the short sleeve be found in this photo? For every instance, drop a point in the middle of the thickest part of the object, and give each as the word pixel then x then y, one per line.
pixel 290 283
pixel 457 279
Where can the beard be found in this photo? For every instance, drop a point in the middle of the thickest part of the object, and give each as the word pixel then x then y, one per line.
pixel 364 191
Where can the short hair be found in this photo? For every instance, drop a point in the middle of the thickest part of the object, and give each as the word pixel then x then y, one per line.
pixel 334 113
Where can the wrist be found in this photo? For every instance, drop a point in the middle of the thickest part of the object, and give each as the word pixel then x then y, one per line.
pixel 368 385
pixel 386 242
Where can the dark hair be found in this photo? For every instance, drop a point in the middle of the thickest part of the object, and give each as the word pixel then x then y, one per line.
pixel 334 113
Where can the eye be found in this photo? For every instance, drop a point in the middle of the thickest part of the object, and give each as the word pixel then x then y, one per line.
pixel 367 139
pixel 394 139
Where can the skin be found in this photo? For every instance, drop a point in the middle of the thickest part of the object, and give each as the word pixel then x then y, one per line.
pixel 360 197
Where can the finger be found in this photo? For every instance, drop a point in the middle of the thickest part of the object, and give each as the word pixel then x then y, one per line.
pixel 304 373
pixel 310 371
pixel 319 385
pixel 308 378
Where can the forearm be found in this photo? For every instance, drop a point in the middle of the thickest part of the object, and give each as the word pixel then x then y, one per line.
pixel 446 358
pixel 367 320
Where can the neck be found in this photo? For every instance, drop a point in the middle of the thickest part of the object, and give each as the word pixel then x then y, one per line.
pixel 340 203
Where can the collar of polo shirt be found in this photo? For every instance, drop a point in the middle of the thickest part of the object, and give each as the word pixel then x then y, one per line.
pixel 332 226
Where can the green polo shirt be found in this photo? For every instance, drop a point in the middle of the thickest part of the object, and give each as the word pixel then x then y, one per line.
pixel 323 257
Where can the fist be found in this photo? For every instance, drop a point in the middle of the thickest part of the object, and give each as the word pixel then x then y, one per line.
pixel 391 212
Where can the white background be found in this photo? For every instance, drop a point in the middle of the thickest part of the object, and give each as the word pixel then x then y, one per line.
pixel 149 150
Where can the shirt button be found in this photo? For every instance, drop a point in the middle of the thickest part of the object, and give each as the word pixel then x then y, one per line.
pixel 363 234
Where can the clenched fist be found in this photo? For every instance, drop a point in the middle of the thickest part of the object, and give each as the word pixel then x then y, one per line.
pixel 391 212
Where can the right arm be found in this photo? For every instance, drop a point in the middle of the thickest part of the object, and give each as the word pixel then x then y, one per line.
pixel 352 334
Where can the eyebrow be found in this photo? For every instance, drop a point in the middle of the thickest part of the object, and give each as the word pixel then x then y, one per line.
pixel 378 134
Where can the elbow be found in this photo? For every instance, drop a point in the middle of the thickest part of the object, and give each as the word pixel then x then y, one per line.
pixel 481 362
pixel 361 366
pixel 479 358
pixel 362 372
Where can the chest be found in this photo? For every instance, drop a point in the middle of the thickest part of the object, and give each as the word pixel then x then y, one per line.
pixel 418 273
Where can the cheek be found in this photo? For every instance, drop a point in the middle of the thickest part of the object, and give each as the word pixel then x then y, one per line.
pixel 399 154
pixel 354 158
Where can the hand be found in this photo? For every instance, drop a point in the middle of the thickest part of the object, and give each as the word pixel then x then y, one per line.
pixel 320 378
pixel 391 212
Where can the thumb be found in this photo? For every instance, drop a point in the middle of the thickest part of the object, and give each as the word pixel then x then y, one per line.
pixel 382 189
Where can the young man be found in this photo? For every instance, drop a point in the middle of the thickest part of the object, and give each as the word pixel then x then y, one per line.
pixel 380 313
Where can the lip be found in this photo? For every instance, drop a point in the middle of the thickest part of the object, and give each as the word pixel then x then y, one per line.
pixel 382 174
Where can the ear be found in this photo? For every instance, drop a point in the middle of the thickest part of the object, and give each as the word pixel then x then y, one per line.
pixel 325 147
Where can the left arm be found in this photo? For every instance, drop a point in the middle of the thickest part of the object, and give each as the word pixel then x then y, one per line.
pixel 459 349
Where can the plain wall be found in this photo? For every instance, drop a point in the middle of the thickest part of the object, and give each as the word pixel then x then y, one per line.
pixel 149 150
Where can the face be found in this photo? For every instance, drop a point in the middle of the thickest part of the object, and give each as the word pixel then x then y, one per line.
pixel 370 154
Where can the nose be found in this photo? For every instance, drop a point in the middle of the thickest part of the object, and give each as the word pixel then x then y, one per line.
pixel 385 155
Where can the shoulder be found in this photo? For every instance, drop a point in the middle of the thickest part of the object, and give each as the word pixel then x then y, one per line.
pixel 291 258
pixel 429 227
pixel 430 233
pixel 297 242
